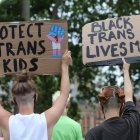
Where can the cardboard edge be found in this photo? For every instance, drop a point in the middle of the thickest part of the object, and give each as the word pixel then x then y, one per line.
pixel 112 62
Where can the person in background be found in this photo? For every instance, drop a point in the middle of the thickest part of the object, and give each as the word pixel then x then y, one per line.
pixel 66 128
pixel 27 125
pixel 122 117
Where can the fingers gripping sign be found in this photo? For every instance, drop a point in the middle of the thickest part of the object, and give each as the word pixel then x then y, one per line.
pixel 125 64
pixel 56 36
pixel 66 59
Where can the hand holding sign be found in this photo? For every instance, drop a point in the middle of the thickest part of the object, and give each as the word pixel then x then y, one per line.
pixel 56 36
pixel 66 59
pixel 125 65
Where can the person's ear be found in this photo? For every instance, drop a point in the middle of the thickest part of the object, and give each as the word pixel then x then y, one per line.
pixel 14 101
pixel 35 97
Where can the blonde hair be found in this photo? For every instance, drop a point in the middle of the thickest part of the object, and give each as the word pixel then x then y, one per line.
pixel 57 94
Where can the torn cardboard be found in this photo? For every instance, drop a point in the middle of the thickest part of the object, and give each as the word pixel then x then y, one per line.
pixel 35 46
pixel 106 42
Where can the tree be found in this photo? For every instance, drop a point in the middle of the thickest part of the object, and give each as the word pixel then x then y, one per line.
pixel 77 13
pixel 25 12
pixel 10 10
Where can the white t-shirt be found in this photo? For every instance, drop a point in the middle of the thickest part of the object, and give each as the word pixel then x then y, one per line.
pixel 28 127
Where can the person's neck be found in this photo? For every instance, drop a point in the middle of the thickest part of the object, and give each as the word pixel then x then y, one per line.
pixel 111 113
pixel 26 109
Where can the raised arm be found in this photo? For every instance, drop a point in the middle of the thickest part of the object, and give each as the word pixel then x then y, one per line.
pixel 54 113
pixel 128 89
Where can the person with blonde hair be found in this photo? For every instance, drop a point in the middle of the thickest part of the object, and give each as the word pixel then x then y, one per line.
pixel 66 128
pixel 27 125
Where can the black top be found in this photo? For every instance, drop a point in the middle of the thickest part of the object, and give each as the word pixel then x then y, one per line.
pixel 126 127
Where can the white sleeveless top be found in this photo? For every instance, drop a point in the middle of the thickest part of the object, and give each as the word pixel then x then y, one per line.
pixel 28 127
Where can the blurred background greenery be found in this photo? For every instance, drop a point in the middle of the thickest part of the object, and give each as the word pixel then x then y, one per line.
pixel 77 13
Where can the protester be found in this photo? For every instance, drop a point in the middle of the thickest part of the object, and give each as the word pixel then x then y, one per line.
pixel 122 117
pixel 26 125
pixel 66 128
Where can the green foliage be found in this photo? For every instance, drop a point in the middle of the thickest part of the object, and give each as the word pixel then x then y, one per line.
pixel 74 111
pixel 5 88
pixel 47 85
pixel 10 10
pixel 128 7
pixel 77 13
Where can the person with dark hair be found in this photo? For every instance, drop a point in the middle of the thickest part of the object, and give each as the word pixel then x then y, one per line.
pixel 122 117
pixel 27 125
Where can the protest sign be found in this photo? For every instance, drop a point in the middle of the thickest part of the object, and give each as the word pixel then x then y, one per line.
pixel 36 46
pixel 106 42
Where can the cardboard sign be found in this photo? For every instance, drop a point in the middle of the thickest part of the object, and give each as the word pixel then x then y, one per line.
pixel 106 42
pixel 34 46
